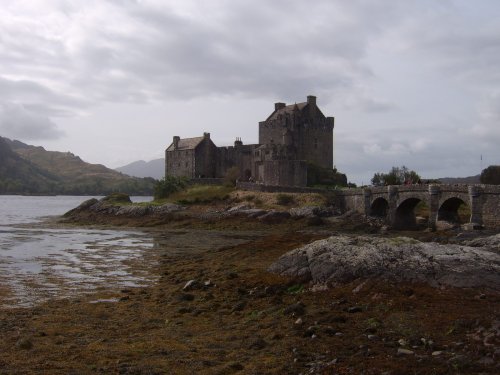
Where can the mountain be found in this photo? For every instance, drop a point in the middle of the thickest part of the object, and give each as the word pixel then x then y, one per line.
pixel 154 168
pixel 26 169
pixel 20 175
pixel 461 180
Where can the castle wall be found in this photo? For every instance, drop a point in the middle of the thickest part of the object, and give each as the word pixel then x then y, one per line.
pixel 307 129
pixel 206 159
pixel 240 156
pixel 180 163
pixel 285 172
pixel 315 142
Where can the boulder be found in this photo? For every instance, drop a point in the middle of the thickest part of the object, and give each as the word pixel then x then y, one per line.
pixel 341 259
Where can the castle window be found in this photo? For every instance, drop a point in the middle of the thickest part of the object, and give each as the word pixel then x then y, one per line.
pixel 315 142
pixel 187 164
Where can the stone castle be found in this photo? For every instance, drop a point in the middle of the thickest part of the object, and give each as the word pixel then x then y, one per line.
pixel 291 138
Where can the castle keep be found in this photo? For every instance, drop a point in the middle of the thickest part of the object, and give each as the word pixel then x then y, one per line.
pixel 292 137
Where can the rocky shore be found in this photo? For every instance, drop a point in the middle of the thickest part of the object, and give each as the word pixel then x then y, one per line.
pixel 341 259
pixel 298 290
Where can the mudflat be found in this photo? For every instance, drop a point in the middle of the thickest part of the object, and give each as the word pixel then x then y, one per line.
pixel 216 309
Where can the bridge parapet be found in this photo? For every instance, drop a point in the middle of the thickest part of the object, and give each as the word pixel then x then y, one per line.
pixel 482 200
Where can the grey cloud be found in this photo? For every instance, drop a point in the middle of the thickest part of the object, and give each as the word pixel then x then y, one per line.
pixel 18 122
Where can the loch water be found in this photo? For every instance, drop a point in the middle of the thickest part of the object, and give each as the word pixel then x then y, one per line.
pixel 39 261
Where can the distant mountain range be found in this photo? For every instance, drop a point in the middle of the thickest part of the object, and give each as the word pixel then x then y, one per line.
pixel 154 168
pixel 26 169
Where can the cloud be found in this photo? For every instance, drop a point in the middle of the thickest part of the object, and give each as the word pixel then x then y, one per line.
pixel 18 122
pixel 411 81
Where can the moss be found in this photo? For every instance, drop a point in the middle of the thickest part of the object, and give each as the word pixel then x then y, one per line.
pixel 117 198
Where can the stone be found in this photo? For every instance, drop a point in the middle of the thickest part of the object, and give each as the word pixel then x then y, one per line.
pixel 191 284
pixel 402 351
pixel 343 258
pixel 437 353
pixel 295 309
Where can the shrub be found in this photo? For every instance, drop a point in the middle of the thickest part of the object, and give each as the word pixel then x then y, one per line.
pixel 284 199
pixel 231 176
pixel 202 194
pixel 117 198
pixel 169 185
pixel 491 175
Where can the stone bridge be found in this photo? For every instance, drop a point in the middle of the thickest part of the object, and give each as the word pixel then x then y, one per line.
pixel 479 203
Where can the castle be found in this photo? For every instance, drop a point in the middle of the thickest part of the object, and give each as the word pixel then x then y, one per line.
pixel 292 137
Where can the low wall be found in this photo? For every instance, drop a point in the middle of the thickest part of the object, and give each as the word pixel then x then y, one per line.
pixel 251 186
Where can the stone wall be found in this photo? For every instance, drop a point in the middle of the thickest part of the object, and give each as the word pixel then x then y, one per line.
pixel 180 163
pixel 285 172
pixel 240 156
pixel 206 158
pixel 490 205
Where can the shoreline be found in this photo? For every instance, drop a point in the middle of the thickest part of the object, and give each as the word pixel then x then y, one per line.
pixel 219 311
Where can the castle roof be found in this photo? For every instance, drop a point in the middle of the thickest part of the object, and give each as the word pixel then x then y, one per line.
pixel 287 109
pixel 186 144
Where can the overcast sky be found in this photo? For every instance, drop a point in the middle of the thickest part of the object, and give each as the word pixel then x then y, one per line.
pixel 409 82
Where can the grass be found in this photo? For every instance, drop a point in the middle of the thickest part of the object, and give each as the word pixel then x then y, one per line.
pixel 201 194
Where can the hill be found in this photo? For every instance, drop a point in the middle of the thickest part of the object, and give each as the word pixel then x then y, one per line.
pixel 154 168
pixel 18 175
pixel 27 169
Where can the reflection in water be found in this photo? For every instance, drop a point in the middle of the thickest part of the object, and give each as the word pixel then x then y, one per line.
pixel 38 264
pixel 43 263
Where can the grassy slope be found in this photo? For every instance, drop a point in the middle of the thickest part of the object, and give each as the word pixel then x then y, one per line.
pixel 70 174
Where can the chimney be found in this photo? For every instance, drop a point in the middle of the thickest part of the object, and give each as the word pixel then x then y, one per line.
pixel 278 106
pixel 206 135
pixel 238 142
pixel 311 99
pixel 176 142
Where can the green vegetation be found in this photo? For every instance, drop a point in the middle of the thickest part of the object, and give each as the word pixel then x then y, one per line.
pixel 324 177
pixel 397 176
pixel 26 169
pixel 491 175
pixel 201 194
pixel 169 185
pixel 231 176
pixel 284 199
pixel 117 198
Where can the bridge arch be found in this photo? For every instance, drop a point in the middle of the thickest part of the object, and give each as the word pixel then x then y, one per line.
pixel 379 208
pixel 405 217
pixel 454 210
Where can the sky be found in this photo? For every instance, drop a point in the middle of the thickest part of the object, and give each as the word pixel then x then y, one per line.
pixel 409 82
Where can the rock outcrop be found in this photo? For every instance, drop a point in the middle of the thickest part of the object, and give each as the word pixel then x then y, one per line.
pixel 106 207
pixel 341 259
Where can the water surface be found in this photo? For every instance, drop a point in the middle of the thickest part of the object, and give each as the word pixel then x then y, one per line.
pixel 38 263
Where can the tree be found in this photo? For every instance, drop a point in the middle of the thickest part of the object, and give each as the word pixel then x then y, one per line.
pixel 232 175
pixel 169 185
pixel 491 175
pixel 321 176
pixel 396 176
